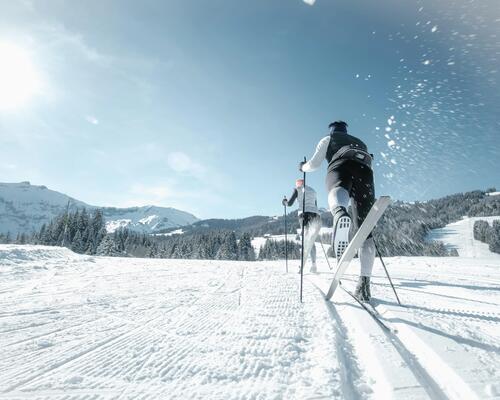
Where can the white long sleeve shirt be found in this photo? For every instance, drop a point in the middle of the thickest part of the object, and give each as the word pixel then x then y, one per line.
pixel 319 155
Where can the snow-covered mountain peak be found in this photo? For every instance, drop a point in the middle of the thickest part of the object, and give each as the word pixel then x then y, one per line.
pixel 25 208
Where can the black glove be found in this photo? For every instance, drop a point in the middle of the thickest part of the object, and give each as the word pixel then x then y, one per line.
pixel 301 164
pixel 284 202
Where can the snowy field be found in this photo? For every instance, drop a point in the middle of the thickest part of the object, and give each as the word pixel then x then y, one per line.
pixel 80 327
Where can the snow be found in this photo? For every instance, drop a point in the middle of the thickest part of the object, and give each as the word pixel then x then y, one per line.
pixel 112 226
pixel 174 232
pixel 148 220
pixel 78 327
pixel 459 235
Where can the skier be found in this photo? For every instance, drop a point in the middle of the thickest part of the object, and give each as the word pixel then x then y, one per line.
pixel 310 218
pixel 349 177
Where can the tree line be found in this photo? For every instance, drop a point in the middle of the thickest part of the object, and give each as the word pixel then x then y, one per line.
pixel 79 231
pixel 85 233
pixel 402 231
pixel 404 228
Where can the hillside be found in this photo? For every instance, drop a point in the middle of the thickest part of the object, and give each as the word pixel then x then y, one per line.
pixel 25 208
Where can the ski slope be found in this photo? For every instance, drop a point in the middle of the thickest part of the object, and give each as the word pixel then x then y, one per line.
pixel 460 236
pixel 83 327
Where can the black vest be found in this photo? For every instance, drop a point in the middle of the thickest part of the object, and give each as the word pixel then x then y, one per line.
pixel 344 147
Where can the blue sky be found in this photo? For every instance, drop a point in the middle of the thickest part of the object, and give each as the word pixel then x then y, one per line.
pixel 208 106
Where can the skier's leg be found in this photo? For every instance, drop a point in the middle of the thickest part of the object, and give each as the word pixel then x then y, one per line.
pixel 305 219
pixel 338 197
pixel 338 185
pixel 314 228
pixel 338 201
pixel 367 257
pixel 309 237
pixel 362 202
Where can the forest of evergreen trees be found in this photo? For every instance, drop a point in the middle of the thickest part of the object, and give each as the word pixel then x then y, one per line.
pixel 79 231
pixel 85 233
pixel 275 250
pixel 489 234
pixel 402 231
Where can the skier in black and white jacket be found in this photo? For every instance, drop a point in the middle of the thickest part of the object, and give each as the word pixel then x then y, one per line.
pixel 349 178
pixel 310 218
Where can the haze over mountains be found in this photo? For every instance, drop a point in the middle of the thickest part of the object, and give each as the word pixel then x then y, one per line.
pixel 25 208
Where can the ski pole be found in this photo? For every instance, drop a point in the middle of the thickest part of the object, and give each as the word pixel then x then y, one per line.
pixel 324 252
pixel 386 272
pixel 303 225
pixel 286 241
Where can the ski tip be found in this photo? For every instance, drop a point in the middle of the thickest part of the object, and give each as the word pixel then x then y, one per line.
pixel 385 199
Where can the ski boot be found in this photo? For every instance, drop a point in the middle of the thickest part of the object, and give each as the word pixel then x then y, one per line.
pixel 341 228
pixel 314 269
pixel 362 291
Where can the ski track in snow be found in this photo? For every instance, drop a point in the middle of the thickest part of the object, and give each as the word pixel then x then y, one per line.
pixel 79 327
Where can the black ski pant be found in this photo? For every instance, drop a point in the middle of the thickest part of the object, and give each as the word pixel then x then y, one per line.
pixel 357 180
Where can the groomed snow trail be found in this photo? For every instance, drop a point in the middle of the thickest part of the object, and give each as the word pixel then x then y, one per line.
pixel 105 328
pixel 78 327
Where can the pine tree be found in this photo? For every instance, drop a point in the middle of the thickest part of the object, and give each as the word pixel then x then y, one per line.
pixel 107 247
pixel 78 246
pixel 229 248
pixel 246 251
pixel 495 237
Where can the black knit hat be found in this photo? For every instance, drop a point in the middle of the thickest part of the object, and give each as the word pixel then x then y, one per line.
pixel 338 126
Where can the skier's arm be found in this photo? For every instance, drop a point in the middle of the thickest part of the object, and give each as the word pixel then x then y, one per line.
pixel 315 162
pixel 292 198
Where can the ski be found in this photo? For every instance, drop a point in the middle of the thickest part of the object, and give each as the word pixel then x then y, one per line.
pixel 357 241
pixel 370 310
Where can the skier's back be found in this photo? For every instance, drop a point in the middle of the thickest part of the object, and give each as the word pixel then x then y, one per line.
pixel 349 177
pixel 311 203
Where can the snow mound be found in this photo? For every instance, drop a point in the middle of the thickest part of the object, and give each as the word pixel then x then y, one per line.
pixel 16 254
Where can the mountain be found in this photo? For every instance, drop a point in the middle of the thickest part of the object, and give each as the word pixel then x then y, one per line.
pixel 25 208
pixel 148 219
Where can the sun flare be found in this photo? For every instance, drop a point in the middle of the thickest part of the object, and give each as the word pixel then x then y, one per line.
pixel 19 80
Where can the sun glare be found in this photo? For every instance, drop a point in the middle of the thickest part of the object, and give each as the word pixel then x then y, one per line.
pixel 19 80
